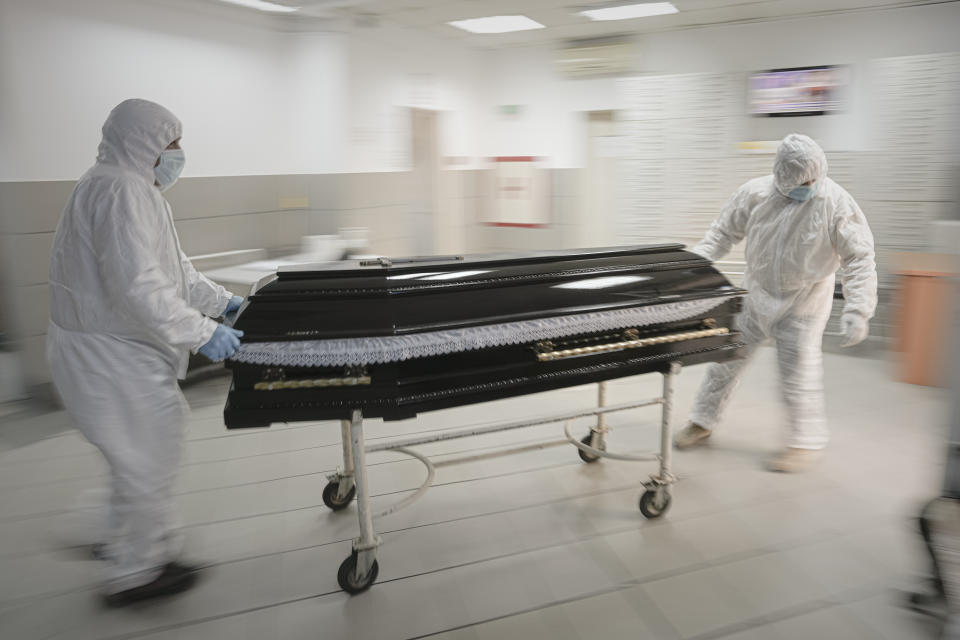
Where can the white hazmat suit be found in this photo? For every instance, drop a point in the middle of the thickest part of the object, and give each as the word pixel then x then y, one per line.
pixel 126 308
pixel 793 250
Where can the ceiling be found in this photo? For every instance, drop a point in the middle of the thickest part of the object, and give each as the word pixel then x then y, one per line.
pixel 561 19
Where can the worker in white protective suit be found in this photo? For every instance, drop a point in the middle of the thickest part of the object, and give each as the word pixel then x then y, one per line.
pixel 800 227
pixel 126 309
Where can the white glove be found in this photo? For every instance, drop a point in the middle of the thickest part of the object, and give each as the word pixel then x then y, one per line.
pixel 855 329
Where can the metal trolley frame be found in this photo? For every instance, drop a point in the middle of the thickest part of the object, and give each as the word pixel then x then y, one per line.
pixel 360 569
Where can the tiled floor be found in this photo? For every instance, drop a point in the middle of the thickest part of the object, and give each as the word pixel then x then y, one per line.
pixel 535 545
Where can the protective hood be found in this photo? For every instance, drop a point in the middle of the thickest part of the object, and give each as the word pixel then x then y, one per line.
pixel 799 160
pixel 135 133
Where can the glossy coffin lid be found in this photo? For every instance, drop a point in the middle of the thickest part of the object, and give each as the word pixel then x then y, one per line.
pixel 379 311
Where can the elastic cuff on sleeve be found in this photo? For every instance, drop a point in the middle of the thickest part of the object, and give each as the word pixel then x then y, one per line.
pixel 206 332
pixel 223 301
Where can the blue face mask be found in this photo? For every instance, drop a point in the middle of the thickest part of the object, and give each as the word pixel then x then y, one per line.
pixel 803 193
pixel 171 164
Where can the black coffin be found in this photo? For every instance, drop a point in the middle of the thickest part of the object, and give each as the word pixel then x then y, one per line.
pixel 397 337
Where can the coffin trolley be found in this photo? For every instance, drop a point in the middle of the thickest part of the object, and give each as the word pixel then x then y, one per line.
pixel 392 338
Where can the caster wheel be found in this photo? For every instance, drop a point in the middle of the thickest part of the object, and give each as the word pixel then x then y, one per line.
pixel 347 580
pixel 330 496
pixel 649 506
pixel 586 457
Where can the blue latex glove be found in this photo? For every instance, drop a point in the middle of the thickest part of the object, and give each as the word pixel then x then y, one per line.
pixel 233 305
pixel 223 344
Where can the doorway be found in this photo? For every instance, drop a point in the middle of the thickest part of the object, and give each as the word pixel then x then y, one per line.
pixel 596 211
pixel 424 175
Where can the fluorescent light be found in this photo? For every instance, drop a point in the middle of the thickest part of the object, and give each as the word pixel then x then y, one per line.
pixel 263 5
pixel 497 24
pixel 627 11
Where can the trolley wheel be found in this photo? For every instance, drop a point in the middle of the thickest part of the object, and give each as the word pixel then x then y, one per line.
pixel 347 580
pixel 330 496
pixel 587 457
pixel 649 506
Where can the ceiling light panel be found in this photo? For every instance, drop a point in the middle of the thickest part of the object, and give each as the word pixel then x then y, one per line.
pixel 630 11
pixel 263 5
pixel 497 24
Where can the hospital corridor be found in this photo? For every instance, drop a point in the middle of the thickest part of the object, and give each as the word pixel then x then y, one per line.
pixel 479 319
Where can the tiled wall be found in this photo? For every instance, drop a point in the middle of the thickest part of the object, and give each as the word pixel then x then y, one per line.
pixel 460 199
pixel 28 217
pixel 227 213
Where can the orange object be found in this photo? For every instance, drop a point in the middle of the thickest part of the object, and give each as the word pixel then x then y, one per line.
pixel 925 315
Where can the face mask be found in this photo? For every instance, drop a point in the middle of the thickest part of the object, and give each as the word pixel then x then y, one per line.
pixel 171 164
pixel 804 192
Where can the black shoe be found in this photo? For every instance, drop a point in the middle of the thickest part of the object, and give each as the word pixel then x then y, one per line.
pixel 175 578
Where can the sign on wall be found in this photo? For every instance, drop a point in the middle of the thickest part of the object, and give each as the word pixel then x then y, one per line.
pixel 520 193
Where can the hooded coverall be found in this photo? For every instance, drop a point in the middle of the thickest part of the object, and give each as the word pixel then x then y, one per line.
pixel 793 251
pixel 126 308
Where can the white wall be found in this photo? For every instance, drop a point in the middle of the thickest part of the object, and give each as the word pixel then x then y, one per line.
pixel 391 69
pixel 257 100
pixel 550 125
pixel 253 100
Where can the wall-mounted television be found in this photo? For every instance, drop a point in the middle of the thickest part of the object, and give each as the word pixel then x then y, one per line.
pixel 802 91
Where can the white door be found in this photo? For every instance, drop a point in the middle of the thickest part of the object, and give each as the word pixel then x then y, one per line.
pixel 596 214
pixel 426 163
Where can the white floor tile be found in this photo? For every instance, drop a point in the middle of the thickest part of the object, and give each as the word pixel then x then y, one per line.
pixel 653 550
pixel 838 566
pixel 531 545
pixel 771 583
pixel 763 632
pixel 30 577
pixel 610 616
pixel 888 619
pixel 717 536
pixel 698 602
pixel 415 606
pixel 833 622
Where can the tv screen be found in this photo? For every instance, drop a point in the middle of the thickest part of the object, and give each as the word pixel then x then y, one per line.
pixel 804 91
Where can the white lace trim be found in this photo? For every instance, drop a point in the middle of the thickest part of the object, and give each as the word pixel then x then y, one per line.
pixel 360 351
